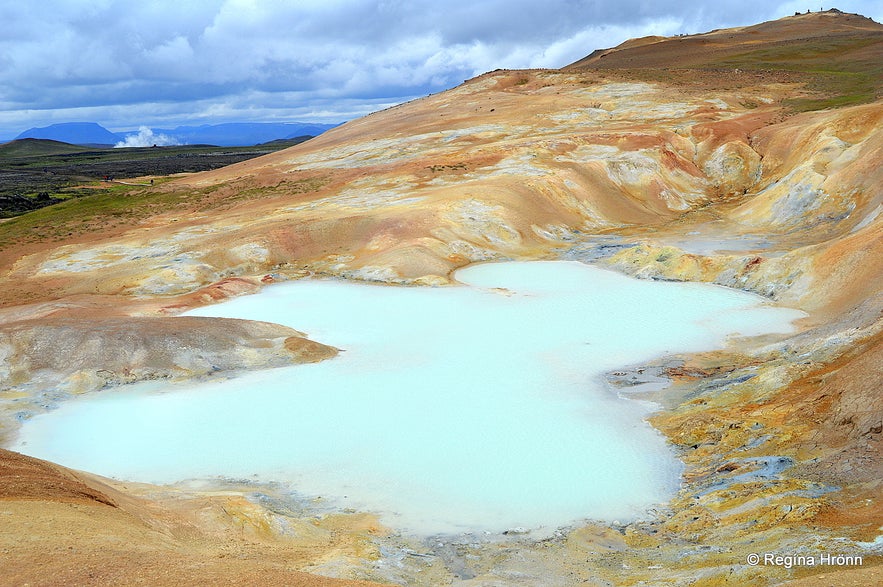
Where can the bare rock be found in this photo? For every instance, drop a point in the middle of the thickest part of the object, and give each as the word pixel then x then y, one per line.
pixel 78 355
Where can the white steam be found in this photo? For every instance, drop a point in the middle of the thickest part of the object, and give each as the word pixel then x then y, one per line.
pixel 146 138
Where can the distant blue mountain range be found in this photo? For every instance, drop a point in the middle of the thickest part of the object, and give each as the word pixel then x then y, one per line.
pixel 76 133
pixel 242 133
pixel 222 135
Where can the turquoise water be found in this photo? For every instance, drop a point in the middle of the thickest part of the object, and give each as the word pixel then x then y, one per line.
pixel 479 407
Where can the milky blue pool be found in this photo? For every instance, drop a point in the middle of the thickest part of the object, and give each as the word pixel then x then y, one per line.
pixel 479 407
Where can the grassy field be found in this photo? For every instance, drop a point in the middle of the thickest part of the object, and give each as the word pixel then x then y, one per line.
pixel 116 206
pixel 36 173
pixel 842 71
pixel 836 58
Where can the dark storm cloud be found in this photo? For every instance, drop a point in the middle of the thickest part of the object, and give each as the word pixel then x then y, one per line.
pixel 123 63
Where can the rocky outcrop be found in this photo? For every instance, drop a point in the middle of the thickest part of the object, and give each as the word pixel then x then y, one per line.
pixel 80 355
pixel 47 360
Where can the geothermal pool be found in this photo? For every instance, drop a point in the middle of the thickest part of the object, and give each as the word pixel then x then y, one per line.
pixel 479 407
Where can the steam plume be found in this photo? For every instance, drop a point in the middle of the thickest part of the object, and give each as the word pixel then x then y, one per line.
pixel 146 138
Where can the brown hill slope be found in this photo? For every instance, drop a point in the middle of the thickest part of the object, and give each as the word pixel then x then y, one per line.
pixel 839 55
pixel 64 528
pixel 793 36
pixel 28 147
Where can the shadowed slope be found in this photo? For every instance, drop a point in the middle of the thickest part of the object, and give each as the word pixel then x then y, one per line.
pixel 32 147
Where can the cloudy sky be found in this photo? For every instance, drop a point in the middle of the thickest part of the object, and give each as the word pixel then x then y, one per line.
pixel 127 63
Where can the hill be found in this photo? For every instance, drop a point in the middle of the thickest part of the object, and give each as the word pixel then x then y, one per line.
pixel 838 55
pixel 36 147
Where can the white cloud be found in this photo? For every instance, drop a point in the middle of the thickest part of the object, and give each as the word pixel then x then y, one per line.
pixel 872 9
pixel 572 49
pixel 145 137
pixel 163 62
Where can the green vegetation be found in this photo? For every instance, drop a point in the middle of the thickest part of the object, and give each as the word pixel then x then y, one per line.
pixel 838 89
pixel 36 148
pixel 836 60
pixel 126 205
pixel 100 210
pixel 71 197
pixel 36 173
pixel 843 71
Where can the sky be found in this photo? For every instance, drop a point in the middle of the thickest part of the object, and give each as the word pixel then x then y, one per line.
pixel 159 63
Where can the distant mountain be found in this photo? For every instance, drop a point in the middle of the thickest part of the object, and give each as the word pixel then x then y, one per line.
pixel 233 134
pixel 242 133
pixel 75 133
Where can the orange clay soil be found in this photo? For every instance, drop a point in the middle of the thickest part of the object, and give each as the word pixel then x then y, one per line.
pixel 63 528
